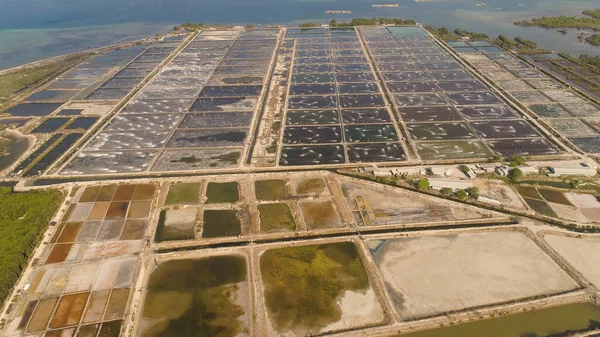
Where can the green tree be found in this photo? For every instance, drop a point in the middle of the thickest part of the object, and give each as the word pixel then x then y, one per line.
pixel 249 26
pixel 505 42
pixel 461 194
pixel 516 160
pixel 333 23
pixel 515 174
pixel 471 35
pixel 307 25
pixel 423 184
pixel 446 191
pixel 525 44
pixel 474 192
pixel 574 184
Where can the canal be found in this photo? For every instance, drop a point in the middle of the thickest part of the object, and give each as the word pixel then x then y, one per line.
pixel 557 321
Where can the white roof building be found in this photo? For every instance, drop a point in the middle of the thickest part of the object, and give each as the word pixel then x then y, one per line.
pixel 503 170
pixel 455 184
pixel 440 171
pixel 487 167
pixel 409 171
pixel 573 171
pixel 382 173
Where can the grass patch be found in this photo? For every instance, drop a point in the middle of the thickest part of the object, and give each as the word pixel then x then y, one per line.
pixel 23 219
pixel 303 284
pixel 272 148
pixel 195 298
pixel 555 196
pixel 276 217
pixel 18 80
pixel 183 194
pixel 221 223
pixel 541 207
pixel 529 192
pixel 311 186
pixel 555 184
pixel 589 187
pixel 219 193
pixel 583 186
pixel 4 144
pixel 270 189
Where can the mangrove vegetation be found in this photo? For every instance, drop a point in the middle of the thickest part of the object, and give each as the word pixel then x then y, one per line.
pixel 23 219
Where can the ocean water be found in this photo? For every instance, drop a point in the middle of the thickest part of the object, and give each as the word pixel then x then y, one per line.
pixel 19 46
pixel 34 29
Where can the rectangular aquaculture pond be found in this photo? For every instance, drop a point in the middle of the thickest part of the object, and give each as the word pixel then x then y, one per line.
pixel 218 193
pixel 316 289
pixel 183 193
pixel 54 154
pixel 221 223
pixel 276 217
pixel 198 298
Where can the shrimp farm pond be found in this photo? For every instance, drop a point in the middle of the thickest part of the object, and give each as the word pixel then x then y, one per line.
pixel 197 297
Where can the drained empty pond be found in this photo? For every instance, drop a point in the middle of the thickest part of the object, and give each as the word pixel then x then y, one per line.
pixel 433 274
pixel 319 288
pixel 197 297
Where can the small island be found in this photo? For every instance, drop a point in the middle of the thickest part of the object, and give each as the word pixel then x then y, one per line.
pixel 589 21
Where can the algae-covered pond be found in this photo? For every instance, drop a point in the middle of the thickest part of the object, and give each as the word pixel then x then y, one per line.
pixel 270 189
pixel 276 217
pixel 221 223
pixel 311 186
pixel 311 289
pixel 556 322
pixel 218 193
pixel 197 297
pixel 183 193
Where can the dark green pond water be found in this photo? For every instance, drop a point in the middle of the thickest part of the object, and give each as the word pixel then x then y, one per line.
pixel 541 323
pixel 194 298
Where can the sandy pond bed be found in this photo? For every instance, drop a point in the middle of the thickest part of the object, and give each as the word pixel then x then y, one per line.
pixel 430 275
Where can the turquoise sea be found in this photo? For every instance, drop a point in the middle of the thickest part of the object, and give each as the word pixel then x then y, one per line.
pixel 31 29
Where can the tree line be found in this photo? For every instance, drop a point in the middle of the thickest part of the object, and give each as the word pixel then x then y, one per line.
pixel 363 22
